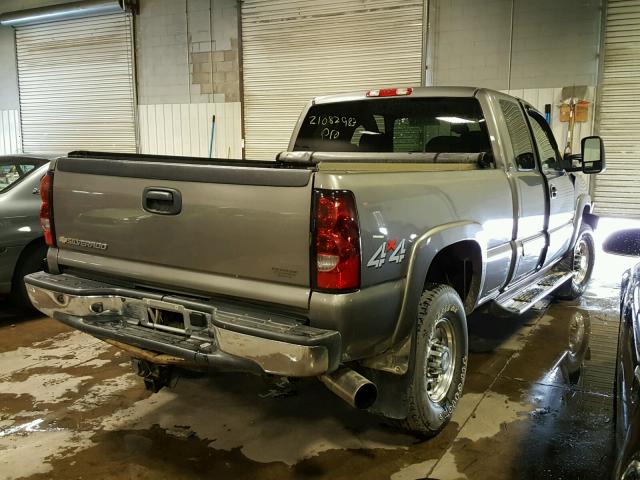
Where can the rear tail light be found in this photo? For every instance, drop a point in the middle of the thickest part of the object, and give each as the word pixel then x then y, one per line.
pixel 46 209
pixel 336 241
pixel 390 92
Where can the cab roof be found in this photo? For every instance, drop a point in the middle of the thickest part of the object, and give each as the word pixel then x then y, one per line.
pixel 420 92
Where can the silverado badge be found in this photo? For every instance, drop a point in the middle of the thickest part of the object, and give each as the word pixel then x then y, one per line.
pixel 82 243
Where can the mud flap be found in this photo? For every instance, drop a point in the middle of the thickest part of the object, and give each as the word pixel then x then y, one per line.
pixel 391 401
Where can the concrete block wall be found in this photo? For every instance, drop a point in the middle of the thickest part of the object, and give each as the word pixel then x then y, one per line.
pixel 471 42
pixel 187 51
pixel 555 43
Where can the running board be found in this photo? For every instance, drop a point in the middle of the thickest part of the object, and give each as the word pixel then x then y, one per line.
pixel 520 301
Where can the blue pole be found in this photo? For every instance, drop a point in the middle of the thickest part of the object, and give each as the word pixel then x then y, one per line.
pixel 213 128
pixel 547 113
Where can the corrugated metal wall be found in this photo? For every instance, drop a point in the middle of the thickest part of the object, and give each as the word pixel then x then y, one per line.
pixel 617 191
pixel 185 129
pixel 294 50
pixel 76 84
pixel 10 137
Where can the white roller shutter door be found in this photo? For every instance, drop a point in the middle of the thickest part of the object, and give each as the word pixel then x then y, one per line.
pixel 77 86
pixel 617 191
pixel 294 50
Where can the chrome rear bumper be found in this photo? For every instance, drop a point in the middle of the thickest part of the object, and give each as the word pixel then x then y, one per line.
pixel 214 335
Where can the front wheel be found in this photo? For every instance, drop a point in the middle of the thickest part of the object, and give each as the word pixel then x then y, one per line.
pixel 580 261
pixel 438 362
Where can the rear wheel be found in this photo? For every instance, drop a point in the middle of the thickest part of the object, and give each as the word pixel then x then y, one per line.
pixel 580 261
pixel 31 260
pixel 438 362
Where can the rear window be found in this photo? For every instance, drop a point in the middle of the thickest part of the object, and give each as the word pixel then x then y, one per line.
pixel 400 125
pixel 14 171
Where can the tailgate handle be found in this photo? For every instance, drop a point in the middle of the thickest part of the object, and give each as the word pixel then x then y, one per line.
pixel 163 201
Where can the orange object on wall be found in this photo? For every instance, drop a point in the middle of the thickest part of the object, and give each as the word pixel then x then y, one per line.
pixel 582 111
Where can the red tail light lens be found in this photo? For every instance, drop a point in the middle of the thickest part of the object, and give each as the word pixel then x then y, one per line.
pixel 336 241
pixel 46 209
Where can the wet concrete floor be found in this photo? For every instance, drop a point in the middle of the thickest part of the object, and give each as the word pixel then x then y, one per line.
pixel 537 405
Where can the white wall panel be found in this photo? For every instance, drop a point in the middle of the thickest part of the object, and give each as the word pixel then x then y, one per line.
pixel 185 129
pixel 10 137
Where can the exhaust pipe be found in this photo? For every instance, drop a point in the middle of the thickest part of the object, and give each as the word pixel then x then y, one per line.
pixel 352 387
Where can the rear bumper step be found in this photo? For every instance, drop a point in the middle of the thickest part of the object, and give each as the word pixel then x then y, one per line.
pixel 215 336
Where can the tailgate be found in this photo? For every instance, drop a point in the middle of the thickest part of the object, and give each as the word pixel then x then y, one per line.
pixel 240 221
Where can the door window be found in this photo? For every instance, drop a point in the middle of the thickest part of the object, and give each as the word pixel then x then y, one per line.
pixel 519 134
pixel 550 159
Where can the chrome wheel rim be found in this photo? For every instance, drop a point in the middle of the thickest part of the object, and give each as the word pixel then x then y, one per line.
pixel 441 360
pixel 580 261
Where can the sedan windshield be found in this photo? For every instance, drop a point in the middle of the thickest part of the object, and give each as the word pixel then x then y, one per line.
pixel 13 171
pixel 400 125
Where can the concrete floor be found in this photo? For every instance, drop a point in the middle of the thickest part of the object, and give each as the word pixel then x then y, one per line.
pixel 71 408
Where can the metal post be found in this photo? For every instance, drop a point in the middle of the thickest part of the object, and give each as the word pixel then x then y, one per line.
pixel 213 129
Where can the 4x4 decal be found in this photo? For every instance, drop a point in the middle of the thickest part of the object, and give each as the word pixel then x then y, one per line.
pixel 396 248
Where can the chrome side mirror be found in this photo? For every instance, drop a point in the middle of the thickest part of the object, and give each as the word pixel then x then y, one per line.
pixel 592 155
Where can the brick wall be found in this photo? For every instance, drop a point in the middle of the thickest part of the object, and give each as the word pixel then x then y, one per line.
pixel 555 43
pixel 187 51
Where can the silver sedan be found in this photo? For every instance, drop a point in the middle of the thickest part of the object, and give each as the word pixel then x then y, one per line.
pixel 22 248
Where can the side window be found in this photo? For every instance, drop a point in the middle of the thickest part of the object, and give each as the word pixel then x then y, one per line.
pixel 8 175
pixel 546 144
pixel 519 133
pixel 12 173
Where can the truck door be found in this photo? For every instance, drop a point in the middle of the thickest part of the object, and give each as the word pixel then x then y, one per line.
pixel 528 186
pixel 559 188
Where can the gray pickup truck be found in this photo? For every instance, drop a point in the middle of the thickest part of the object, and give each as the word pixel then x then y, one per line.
pixel 355 257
